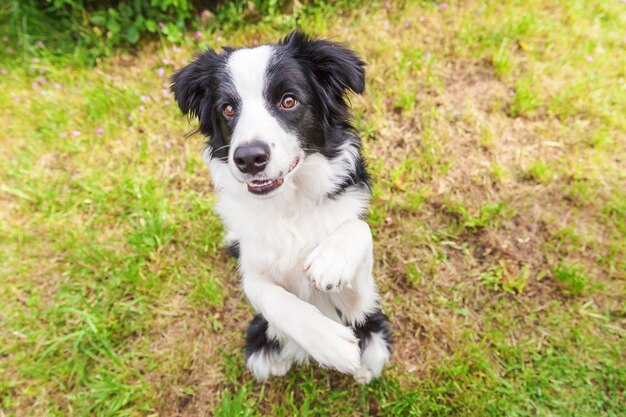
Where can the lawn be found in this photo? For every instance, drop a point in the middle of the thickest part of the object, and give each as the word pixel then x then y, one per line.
pixel 496 137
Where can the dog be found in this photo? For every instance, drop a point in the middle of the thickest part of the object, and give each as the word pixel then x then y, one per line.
pixel 293 192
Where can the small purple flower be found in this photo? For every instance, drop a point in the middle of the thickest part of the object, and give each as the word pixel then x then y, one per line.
pixel 178 49
pixel 168 145
pixel 9 50
pixel 443 6
pixel 75 132
pixel 42 80
pixel 17 99
pixel 589 58
pixel 58 86
pixel 197 34
pixel 340 11
pixel 141 108
pixel 218 39
pixel 255 41
pixel 165 61
pixel 387 4
pixel 205 14
pixel 4 71
pixel 145 98
pixel 41 43
pixel 63 135
pixel 161 72
pixel 161 25
pixel 99 131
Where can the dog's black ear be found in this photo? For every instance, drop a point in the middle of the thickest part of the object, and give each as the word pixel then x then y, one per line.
pixel 193 87
pixel 334 65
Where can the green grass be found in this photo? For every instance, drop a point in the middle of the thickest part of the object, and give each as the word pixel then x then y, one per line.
pixel 494 134
pixel 571 277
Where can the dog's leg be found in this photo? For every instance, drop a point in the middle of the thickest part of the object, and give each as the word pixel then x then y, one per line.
pixel 375 343
pixel 328 342
pixel 341 265
pixel 263 356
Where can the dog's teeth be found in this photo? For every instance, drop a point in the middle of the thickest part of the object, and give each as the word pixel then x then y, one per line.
pixel 260 183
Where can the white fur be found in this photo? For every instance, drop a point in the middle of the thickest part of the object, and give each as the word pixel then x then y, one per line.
pixel 376 354
pixel 298 242
pixel 264 364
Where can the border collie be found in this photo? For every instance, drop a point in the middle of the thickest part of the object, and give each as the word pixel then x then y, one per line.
pixel 293 193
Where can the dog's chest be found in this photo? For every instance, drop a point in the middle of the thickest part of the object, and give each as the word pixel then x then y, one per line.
pixel 277 245
pixel 275 239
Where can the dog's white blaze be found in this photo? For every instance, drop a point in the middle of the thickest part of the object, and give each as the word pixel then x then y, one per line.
pixel 248 69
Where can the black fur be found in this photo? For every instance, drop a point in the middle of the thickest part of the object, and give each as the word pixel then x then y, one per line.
pixel 374 323
pixel 198 88
pixel 234 249
pixel 358 177
pixel 256 337
pixel 333 70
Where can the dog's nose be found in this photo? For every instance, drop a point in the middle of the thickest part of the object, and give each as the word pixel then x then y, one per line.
pixel 252 157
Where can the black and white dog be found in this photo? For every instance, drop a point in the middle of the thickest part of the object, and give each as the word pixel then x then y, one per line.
pixel 293 192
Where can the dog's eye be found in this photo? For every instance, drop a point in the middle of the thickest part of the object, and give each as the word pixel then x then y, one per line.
pixel 288 102
pixel 229 110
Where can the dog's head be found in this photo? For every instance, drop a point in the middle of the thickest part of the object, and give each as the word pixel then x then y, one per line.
pixel 265 109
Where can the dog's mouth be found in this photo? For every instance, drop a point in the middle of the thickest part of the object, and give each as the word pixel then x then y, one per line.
pixel 266 186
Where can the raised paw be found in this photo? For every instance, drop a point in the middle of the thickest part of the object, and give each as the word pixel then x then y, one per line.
pixel 329 268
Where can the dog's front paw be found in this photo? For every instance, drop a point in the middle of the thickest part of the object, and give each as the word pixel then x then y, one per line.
pixel 336 347
pixel 330 268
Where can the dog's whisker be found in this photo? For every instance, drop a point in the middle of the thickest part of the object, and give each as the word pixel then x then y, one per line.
pixel 220 148
pixel 214 151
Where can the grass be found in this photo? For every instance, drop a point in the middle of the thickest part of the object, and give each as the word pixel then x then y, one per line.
pixel 495 135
